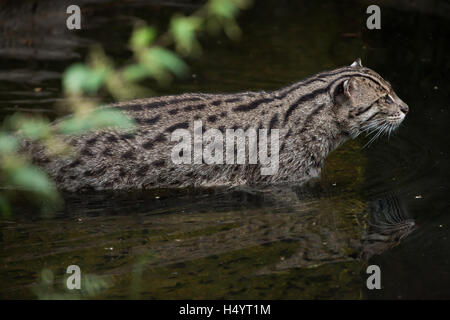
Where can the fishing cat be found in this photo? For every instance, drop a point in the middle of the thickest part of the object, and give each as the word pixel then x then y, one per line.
pixel 314 117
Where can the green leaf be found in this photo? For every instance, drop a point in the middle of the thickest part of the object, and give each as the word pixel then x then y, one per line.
pixel 79 78
pixel 8 143
pixel 100 118
pixel 74 78
pixel 223 8
pixel 34 128
pixel 105 117
pixel 135 72
pixel 157 58
pixel 183 30
pixel 33 179
pixel 96 80
pixel 74 125
pixel 142 37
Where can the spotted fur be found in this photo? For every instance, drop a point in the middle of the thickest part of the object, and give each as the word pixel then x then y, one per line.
pixel 314 116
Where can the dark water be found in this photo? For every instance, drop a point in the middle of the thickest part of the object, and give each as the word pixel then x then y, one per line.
pixel 292 243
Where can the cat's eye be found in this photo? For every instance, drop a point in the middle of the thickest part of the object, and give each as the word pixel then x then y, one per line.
pixel 388 99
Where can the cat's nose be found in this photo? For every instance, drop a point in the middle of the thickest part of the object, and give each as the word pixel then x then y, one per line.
pixel 404 108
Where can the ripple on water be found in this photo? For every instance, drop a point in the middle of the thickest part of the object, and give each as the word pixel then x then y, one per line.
pixel 397 164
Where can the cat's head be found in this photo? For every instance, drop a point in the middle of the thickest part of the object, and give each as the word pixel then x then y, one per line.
pixel 367 102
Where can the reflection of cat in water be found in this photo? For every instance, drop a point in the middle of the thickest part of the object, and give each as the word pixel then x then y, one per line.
pixel 389 222
pixel 303 227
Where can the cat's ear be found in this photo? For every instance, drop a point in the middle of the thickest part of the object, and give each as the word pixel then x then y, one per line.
pixel 350 87
pixel 347 92
pixel 356 64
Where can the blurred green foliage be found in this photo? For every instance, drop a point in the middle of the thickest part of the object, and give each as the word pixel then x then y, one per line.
pixel 153 59
pixel 156 56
